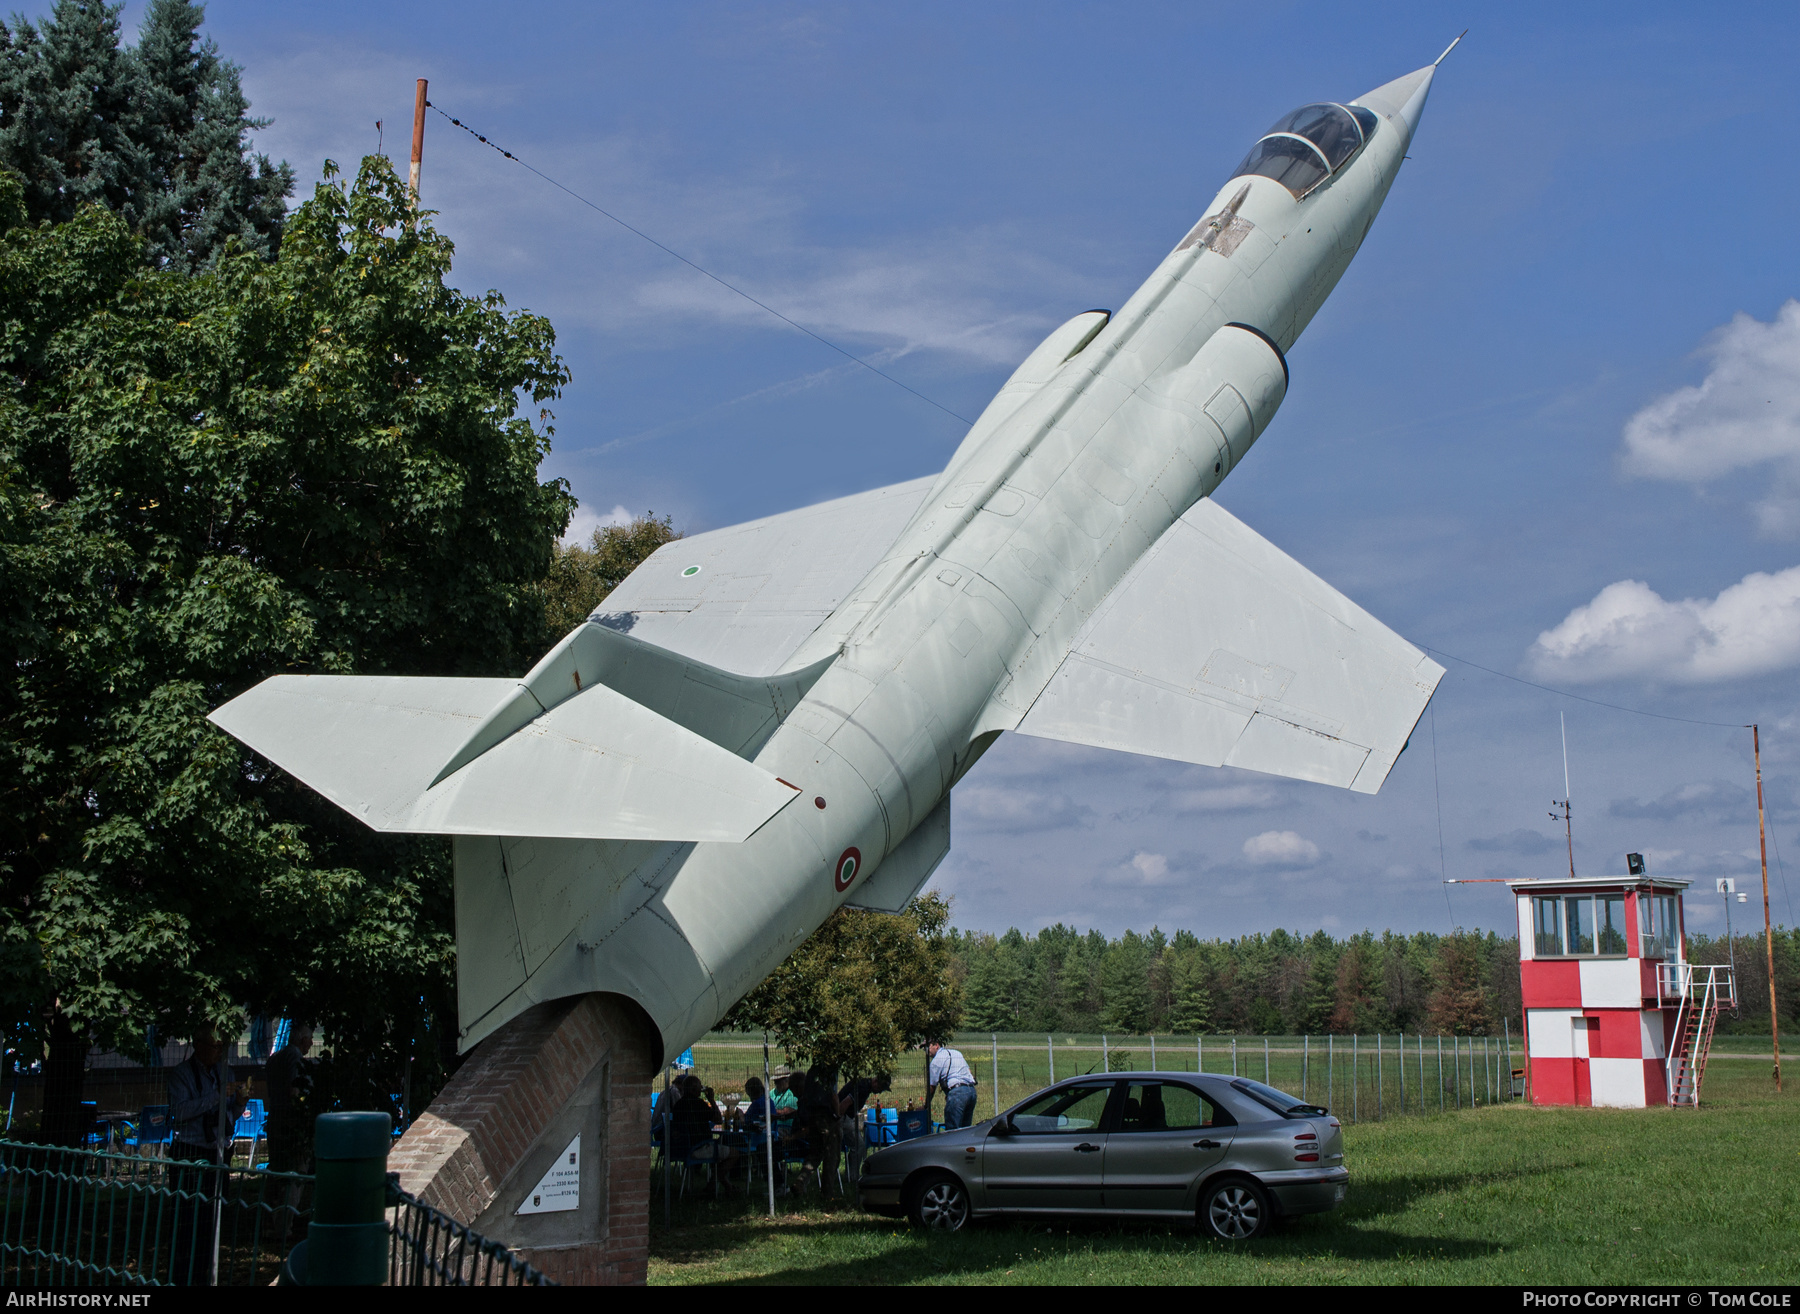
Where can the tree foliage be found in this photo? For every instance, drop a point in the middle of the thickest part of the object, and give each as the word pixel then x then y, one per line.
pixel 581 577
pixel 157 133
pixel 314 463
pixel 863 988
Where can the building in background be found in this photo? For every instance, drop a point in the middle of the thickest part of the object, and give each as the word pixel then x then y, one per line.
pixel 1615 1016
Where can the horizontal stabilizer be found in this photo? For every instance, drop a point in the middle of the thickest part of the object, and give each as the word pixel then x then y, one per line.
pixel 1220 649
pixel 596 766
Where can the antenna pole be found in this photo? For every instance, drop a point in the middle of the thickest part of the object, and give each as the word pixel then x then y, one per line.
pixel 1762 837
pixel 1563 802
pixel 418 150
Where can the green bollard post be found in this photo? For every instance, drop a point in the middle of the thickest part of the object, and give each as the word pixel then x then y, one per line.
pixel 347 1244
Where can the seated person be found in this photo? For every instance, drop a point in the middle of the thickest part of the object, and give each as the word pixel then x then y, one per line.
pixel 757 1109
pixel 691 1122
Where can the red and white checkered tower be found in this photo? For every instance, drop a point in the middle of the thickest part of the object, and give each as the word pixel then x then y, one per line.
pixel 1615 1016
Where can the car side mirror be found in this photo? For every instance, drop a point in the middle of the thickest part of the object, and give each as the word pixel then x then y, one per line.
pixel 1003 1127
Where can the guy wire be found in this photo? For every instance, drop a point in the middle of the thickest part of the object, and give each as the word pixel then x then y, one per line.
pixel 1438 794
pixel 731 287
pixel 1583 698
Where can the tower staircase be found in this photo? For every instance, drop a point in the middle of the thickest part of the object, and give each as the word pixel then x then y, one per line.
pixel 1698 994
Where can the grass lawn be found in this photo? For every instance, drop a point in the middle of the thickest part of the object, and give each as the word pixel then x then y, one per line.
pixel 1506 1194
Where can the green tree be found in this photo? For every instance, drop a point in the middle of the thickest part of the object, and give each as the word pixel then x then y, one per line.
pixel 1356 1006
pixel 314 463
pixel 156 134
pixel 1190 1001
pixel 1125 986
pixel 864 987
pixel 1458 1004
pixel 580 576
pixel 1313 998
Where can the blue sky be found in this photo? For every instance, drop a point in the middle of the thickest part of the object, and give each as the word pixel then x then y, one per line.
pixel 1549 422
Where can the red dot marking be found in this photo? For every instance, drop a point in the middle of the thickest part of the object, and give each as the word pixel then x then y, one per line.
pixel 819 803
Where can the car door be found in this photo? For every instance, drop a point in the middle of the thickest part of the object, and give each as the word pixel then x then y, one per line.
pixel 1165 1136
pixel 1050 1154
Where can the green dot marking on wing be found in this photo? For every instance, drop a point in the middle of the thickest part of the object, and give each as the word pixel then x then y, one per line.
pixel 690 571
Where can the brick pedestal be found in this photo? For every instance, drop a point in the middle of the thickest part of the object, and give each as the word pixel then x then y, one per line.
pixel 580 1066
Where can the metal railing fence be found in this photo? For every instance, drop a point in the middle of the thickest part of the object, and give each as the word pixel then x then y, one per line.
pixel 74 1217
pixel 428 1248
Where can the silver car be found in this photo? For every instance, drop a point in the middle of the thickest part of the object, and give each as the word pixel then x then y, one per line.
pixel 1231 1153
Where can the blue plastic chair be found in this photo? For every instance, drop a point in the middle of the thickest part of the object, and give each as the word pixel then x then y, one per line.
pixel 885 1130
pixel 153 1127
pixel 250 1122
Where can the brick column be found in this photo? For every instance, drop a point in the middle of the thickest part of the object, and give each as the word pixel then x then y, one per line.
pixel 579 1066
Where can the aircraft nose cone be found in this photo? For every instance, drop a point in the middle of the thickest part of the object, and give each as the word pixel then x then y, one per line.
pixel 1403 100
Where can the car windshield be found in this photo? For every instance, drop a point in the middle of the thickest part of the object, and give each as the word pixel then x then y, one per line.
pixel 1279 1100
pixel 1306 146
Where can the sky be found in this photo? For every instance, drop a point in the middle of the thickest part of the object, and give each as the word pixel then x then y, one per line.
pixel 1547 425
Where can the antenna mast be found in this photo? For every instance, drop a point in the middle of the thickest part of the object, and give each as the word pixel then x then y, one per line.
pixel 1563 802
pixel 1762 837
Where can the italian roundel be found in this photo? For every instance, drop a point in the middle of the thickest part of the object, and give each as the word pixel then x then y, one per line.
pixel 847 867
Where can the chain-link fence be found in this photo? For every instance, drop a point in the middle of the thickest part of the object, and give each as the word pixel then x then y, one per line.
pixel 1357 1077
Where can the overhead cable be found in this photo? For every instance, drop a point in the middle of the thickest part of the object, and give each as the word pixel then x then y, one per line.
pixel 699 269
pixel 1583 698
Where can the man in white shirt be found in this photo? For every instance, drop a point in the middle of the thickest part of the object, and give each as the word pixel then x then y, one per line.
pixel 949 1071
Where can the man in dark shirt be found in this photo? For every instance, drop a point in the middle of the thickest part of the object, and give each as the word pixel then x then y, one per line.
pixel 851 1124
pixel 289 1082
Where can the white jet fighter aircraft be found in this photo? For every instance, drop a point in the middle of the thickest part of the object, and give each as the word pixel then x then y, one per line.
pixel 765 722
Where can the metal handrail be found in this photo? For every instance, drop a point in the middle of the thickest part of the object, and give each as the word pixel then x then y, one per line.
pixel 1678 982
pixel 1698 992
pixel 428 1248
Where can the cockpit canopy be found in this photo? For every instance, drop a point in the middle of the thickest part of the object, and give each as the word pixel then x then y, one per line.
pixel 1308 146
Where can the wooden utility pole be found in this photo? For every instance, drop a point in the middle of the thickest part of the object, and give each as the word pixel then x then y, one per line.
pixel 1762 837
pixel 418 152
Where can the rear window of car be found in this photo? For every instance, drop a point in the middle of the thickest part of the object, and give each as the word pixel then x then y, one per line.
pixel 1277 1100
pixel 1167 1106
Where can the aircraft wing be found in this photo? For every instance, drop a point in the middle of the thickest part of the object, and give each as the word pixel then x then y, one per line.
pixel 760 588
pixel 1220 649
pixel 596 766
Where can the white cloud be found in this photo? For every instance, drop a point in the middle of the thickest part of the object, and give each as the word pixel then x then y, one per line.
pixel 1226 798
pixel 584 524
pixel 1154 866
pixel 1629 630
pixel 1718 798
pixel 1744 414
pixel 1143 870
pixel 1280 848
pixel 1006 809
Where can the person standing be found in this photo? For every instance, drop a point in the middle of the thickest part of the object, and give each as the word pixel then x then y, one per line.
pixel 949 1072
pixel 289 1083
pixel 850 1102
pixel 204 1104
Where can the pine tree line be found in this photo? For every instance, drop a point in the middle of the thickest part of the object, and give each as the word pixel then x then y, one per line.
pixel 1280 983
pixel 1287 984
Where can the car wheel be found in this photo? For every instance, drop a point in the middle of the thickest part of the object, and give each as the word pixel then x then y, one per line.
pixel 1234 1210
pixel 939 1203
